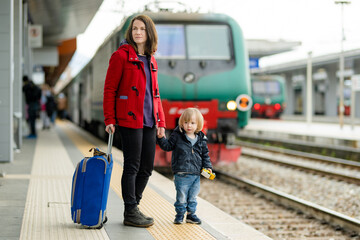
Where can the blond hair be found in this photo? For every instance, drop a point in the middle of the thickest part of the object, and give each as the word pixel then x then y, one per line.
pixel 186 116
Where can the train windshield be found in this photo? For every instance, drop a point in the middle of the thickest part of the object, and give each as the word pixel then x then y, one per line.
pixel 171 41
pixel 266 88
pixel 208 42
pixel 202 41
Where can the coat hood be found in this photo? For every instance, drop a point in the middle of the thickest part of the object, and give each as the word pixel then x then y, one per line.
pixel 123 42
pixel 124 45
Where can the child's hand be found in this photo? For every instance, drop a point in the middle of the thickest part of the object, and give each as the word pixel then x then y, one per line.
pixel 160 136
pixel 160 133
pixel 209 170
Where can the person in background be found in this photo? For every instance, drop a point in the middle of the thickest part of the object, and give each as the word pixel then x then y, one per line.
pixel 61 105
pixel 50 106
pixel 190 155
pixel 43 102
pixel 32 97
pixel 132 102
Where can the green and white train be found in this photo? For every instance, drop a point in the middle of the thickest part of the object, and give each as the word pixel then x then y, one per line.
pixel 202 63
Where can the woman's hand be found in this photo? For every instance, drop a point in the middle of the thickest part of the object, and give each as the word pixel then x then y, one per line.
pixel 160 132
pixel 110 127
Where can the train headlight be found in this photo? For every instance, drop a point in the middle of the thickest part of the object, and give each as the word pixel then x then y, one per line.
pixel 189 77
pixel 231 105
pixel 277 106
pixel 243 102
pixel 267 101
pixel 257 106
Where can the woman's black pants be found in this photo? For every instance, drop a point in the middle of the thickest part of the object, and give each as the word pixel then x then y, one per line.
pixel 139 152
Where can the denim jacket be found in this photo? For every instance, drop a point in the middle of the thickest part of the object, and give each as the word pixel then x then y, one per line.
pixel 185 157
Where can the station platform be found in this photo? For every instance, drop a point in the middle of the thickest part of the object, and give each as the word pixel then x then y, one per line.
pixel 35 196
pixel 320 132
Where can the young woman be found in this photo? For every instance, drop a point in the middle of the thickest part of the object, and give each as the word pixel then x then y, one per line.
pixel 132 102
pixel 190 154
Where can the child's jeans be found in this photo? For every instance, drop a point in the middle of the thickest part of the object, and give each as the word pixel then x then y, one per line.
pixel 187 188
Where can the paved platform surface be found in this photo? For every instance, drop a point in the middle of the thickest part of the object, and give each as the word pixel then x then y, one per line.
pixel 325 132
pixel 35 197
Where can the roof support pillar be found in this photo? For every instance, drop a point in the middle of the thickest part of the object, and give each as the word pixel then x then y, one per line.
pixel 17 90
pixel 7 79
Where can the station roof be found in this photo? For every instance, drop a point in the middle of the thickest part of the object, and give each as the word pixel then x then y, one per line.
pixel 286 62
pixel 260 47
pixel 62 21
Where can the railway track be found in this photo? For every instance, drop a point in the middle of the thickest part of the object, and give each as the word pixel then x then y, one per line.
pixel 330 179
pixel 335 151
pixel 321 213
pixel 343 170
pixel 276 214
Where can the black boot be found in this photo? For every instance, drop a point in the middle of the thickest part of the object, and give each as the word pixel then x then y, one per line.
pixel 146 217
pixel 134 218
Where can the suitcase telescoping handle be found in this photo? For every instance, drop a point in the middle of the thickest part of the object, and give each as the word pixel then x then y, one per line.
pixel 110 142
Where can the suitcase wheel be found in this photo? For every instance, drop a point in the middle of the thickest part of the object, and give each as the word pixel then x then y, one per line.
pixel 99 227
pixel 102 224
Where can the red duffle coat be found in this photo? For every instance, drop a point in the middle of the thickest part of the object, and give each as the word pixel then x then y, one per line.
pixel 124 90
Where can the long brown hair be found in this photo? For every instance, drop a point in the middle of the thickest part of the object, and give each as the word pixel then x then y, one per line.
pixel 152 38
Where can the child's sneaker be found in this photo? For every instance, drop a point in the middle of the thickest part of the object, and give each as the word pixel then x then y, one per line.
pixel 192 218
pixel 179 219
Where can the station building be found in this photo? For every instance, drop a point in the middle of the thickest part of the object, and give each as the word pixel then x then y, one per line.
pixel 38 39
pixel 325 82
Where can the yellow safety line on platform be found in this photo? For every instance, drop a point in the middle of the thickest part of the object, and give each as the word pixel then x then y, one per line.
pixel 17 176
pixel 47 209
pixel 152 203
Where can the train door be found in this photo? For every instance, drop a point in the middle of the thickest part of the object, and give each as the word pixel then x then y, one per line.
pixel 81 92
pixel 86 98
pixel 319 97
pixel 75 102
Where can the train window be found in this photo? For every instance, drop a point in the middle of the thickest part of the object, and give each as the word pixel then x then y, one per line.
pixel 208 42
pixel 266 88
pixel 171 41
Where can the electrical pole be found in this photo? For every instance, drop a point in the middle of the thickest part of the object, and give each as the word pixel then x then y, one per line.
pixel 341 72
pixel 309 110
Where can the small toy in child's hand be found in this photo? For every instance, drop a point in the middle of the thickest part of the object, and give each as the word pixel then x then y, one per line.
pixel 208 174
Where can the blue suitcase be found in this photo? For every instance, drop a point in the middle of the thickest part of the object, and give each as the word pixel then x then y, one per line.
pixel 90 188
